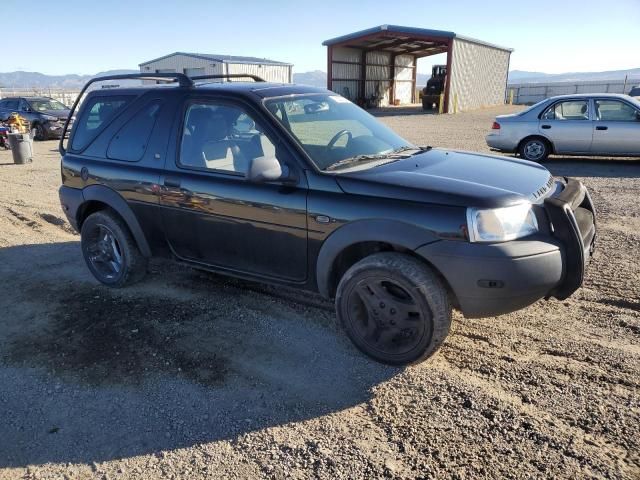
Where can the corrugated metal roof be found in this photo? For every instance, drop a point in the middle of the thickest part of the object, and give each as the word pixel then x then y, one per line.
pixel 220 58
pixel 408 31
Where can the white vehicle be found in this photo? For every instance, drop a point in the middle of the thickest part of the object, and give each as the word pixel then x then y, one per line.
pixel 588 124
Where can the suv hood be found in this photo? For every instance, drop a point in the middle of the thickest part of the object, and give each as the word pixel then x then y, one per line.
pixel 453 178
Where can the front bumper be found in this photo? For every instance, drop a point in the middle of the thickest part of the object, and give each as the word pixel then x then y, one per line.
pixel 54 130
pixel 493 279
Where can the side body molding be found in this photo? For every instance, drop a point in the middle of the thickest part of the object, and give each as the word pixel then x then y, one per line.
pixel 394 232
pixel 110 197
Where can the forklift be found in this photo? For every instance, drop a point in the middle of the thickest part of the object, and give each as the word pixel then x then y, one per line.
pixel 435 86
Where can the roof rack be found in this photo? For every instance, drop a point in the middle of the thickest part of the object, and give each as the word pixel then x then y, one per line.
pixel 255 78
pixel 180 78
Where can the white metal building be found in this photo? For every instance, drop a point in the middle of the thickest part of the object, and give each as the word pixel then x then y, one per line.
pixel 530 93
pixel 381 62
pixel 194 64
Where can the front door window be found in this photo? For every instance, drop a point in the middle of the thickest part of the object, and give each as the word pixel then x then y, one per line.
pixel 615 111
pixel 222 138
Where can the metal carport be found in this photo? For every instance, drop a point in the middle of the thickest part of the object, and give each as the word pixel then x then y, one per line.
pixel 380 64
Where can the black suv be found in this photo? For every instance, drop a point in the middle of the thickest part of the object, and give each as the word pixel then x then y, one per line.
pixel 296 185
pixel 46 116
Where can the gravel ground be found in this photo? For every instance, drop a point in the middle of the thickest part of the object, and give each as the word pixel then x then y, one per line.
pixel 192 375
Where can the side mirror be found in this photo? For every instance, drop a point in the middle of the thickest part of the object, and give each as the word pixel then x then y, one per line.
pixel 267 169
pixel 638 116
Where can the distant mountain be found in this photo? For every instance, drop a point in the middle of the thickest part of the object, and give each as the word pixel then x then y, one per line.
pixel 40 80
pixel 316 78
pixel 520 76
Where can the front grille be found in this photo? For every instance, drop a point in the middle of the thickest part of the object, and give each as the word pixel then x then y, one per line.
pixel 573 221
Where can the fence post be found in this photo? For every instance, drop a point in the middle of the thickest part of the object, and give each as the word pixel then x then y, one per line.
pixel 441 104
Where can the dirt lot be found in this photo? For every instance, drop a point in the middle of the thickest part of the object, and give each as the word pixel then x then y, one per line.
pixel 193 375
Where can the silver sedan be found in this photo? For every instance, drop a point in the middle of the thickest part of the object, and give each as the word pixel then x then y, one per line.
pixel 589 124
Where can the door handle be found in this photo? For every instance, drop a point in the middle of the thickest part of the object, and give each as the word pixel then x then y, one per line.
pixel 602 127
pixel 546 127
pixel 172 182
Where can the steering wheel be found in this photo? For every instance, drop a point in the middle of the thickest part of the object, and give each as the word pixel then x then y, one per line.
pixel 337 137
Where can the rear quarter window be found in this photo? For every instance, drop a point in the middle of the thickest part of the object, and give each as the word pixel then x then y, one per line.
pixel 96 114
pixel 131 141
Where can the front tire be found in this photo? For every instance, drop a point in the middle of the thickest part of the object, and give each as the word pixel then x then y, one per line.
pixel 110 251
pixel 39 133
pixel 534 149
pixel 394 308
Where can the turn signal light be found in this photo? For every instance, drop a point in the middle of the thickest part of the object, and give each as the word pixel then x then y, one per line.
pixel 495 126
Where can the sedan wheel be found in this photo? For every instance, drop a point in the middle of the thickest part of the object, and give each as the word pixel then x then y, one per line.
pixel 534 150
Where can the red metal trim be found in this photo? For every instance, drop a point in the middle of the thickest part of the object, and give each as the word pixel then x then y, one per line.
pixel 392 86
pixel 352 42
pixel 506 82
pixel 447 87
pixel 414 81
pixel 330 67
pixel 363 76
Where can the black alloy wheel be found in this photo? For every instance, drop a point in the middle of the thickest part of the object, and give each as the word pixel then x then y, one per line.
pixel 394 308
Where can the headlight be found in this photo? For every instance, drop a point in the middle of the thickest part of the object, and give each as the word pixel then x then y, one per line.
pixel 50 118
pixel 501 224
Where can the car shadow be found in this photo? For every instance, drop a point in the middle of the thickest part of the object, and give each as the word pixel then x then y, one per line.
pixel 91 374
pixel 401 111
pixel 590 166
pixel 593 167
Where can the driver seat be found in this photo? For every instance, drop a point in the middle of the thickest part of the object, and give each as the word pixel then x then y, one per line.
pixel 585 111
pixel 219 152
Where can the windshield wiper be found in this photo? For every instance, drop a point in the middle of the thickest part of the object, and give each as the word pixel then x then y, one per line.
pixel 396 154
pixel 356 159
pixel 416 148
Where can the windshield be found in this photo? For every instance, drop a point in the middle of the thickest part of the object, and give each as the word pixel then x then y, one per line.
pixel 46 104
pixel 331 129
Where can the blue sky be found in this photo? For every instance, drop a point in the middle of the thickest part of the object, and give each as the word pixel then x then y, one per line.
pixel 550 36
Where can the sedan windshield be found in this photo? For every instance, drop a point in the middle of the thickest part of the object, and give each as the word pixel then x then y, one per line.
pixel 333 131
pixel 46 104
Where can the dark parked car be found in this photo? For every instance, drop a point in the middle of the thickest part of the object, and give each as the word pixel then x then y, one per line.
pixel 46 116
pixel 635 92
pixel 296 185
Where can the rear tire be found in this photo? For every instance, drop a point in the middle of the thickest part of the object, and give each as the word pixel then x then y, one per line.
pixel 534 149
pixel 394 308
pixel 110 251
